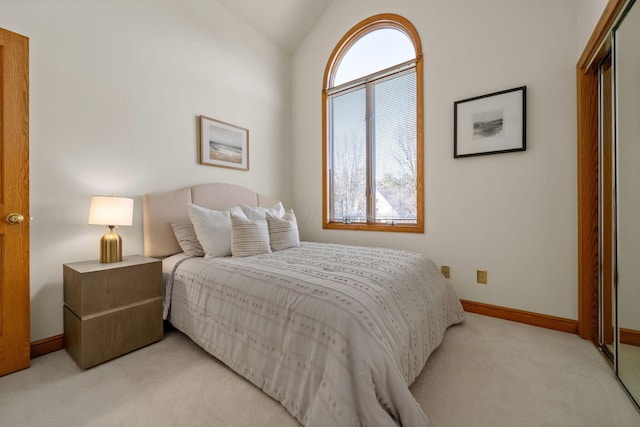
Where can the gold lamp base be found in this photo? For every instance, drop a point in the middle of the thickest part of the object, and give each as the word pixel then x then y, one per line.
pixel 110 247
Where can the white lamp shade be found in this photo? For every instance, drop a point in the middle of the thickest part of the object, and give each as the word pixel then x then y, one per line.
pixel 111 210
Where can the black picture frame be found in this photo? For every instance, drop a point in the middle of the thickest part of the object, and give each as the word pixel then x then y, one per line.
pixel 490 124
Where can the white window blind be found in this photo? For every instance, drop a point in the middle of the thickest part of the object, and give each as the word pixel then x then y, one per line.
pixel 372 148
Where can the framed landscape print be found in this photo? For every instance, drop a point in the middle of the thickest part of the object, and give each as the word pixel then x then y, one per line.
pixel 223 145
pixel 490 124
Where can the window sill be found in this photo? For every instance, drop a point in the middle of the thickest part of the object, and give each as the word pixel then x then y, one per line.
pixel 398 228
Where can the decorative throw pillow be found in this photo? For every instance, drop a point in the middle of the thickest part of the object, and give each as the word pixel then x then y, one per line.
pixel 259 212
pixel 186 236
pixel 283 231
pixel 213 229
pixel 249 237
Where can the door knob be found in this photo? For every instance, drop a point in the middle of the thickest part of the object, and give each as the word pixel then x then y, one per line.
pixel 14 218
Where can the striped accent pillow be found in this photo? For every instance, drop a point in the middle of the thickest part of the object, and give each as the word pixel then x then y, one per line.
pixel 249 237
pixel 283 231
pixel 186 236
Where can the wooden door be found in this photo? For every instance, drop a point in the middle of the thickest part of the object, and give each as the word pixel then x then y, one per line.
pixel 14 199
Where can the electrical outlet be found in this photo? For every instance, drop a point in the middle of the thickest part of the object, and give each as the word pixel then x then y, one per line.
pixel 445 270
pixel 481 276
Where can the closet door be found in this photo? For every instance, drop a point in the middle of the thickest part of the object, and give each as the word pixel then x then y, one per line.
pixel 626 39
pixel 606 211
pixel 609 213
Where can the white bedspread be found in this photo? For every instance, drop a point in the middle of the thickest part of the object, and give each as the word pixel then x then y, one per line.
pixel 335 333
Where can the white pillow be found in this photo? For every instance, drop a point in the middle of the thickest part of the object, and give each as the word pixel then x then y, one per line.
pixel 283 232
pixel 249 237
pixel 254 214
pixel 213 229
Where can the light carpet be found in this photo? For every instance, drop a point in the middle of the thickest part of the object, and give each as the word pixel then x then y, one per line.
pixel 487 373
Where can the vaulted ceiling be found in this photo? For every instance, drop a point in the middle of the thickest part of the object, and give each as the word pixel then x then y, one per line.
pixel 285 22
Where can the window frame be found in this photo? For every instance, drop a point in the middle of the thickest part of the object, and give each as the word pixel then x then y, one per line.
pixel 366 26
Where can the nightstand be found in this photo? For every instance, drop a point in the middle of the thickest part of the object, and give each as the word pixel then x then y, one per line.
pixel 111 309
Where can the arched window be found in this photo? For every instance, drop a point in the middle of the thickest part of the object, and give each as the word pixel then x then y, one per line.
pixel 373 129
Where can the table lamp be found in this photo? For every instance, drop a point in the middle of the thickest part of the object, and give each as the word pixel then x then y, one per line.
pixel 111 211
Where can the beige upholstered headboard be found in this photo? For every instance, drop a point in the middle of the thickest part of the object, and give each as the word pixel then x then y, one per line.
pixel 160 209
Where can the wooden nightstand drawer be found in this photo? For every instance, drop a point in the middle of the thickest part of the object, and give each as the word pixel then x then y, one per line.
pixel 111 309
pixel 91 287
pixel 101 338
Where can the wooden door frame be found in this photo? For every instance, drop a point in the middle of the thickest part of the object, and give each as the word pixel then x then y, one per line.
pixel 588 189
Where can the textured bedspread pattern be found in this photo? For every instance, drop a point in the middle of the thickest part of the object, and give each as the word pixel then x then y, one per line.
pixel 335 333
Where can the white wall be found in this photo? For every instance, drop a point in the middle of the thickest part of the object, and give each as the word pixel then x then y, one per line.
pixel 589 12
pixel 514 215
pixel 116 88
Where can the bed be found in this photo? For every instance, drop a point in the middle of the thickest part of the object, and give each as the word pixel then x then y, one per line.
pixel 335 333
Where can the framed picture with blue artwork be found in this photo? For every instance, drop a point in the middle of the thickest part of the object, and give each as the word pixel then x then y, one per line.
pixel 223 144
pixel 490 124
